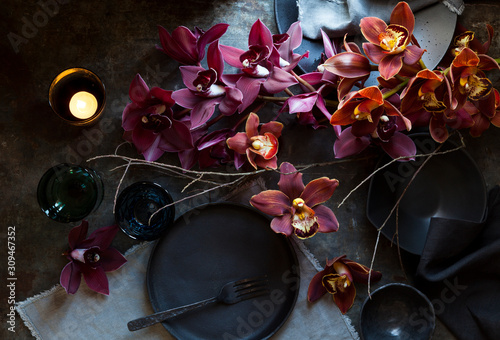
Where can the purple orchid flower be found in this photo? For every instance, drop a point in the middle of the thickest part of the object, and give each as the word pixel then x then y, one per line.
pixel 91 257
pixel 259 73
pixel 189 47
pixel 298 208
pixel 149 123
pixel 205 89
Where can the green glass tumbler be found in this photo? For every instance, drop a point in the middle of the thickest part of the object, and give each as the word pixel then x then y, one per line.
pixel 69 193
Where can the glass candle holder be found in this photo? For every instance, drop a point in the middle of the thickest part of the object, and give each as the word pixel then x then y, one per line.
pixel 68 193
pixel 77 96
pixel 135 207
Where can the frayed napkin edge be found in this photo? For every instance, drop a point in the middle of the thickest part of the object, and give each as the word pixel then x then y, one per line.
pixel 21 305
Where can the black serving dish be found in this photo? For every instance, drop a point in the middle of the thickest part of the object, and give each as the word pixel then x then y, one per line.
pixel 397 311
pixel 449 186
pixel 210 246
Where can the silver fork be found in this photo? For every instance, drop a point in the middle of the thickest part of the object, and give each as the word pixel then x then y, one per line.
pixel 230 293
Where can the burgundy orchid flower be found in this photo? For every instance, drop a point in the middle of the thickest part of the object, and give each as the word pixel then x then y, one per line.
pixel 389 45
pixel 259 144
pixel 259 73
pixel 338 278
pixel 188 47
pixel 285 44
pixel 205 90
pixel 298 209
pixel 468 77
pixel 91 257
pixel 372 119
pixel 149 123
pixel 479 112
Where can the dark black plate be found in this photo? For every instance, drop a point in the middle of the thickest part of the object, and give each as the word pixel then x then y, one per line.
pixel 448 186
pixel 434 28
pixel 212 245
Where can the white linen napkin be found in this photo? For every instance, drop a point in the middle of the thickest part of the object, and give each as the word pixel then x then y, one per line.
pixel 338 17
pixel 54 315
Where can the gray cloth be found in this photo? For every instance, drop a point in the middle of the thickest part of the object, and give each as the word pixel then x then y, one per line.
pixel 338 17
pixel 55 315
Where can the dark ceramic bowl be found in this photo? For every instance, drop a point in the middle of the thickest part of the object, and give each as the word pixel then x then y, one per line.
pixel 397 311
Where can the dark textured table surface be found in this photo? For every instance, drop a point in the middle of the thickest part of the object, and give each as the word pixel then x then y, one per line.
pixel 116 39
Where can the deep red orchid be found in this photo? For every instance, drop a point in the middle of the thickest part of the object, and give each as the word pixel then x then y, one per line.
pixel 298 209
pixel 205 90
pixel 149 123
pixel 189 47
pixel 260 66
pixel 389 45
pixel 259 144
pixel 338 278
pixel 285 44
pixel 468 77
pixel 91 257
pixel 480 113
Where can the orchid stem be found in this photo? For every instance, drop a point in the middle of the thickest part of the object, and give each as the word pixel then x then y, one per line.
pixel 303 82
pixel 396 89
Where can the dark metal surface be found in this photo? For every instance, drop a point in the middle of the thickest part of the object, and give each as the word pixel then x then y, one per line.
pixel 116 40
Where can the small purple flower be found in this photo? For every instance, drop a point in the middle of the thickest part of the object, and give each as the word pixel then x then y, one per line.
pixel 149 123
pixel 189 47
pixel 91 257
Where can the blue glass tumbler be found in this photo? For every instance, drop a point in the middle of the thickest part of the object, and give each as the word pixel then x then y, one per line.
pixel 136 211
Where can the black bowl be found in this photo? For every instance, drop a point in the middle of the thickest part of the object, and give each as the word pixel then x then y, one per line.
pixel 397 311
pixel 448 186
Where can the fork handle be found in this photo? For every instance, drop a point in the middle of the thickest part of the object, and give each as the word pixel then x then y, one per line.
pixel 152 319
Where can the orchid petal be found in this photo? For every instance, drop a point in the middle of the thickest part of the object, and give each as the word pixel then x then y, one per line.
pixel 279 81
pixel 316 289
pixel 403 15
pixel 399 145
pixel 349 65
pixel 260 35
pixel 345 299
pixel 203 111
pixel 186 41
pixel 189 75
pixel 173 49
pixel 131 116
pixel 71 277
pixel 302 102
pixel 239 142
pixel 327 220
pixel 176 138
pixel 78 234
pixel 343 115
pixel 391 65
pixel 213 34
pixel 466 57
pixel 360 273
pixel 329 48
pixel 438 130
pixel 215 60
pixel 143 139
pixel 266 163
pixel 371 27
pixel 252 125
pixel 101 237
pixel 232 55
pixel 152 153
pixel 96 279
pixel 374 52
pixel 231 101
pixel 319 191
pixel 413 54
pixel 282 225
pixel 347 144
pixel 290 182
pixel 271 202
pixel 273 127
pixel 250 87
pixel 112 259
pixel 186 98
pixel 138 90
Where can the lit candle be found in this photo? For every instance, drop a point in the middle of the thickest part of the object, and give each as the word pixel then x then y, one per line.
pixel 83 105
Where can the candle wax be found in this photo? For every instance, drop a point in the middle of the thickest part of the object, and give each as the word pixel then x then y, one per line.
pixel 83 105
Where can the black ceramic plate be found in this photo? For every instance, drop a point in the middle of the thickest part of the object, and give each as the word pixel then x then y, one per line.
pixel 212 245
pixel 448 186
pixel 434 28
